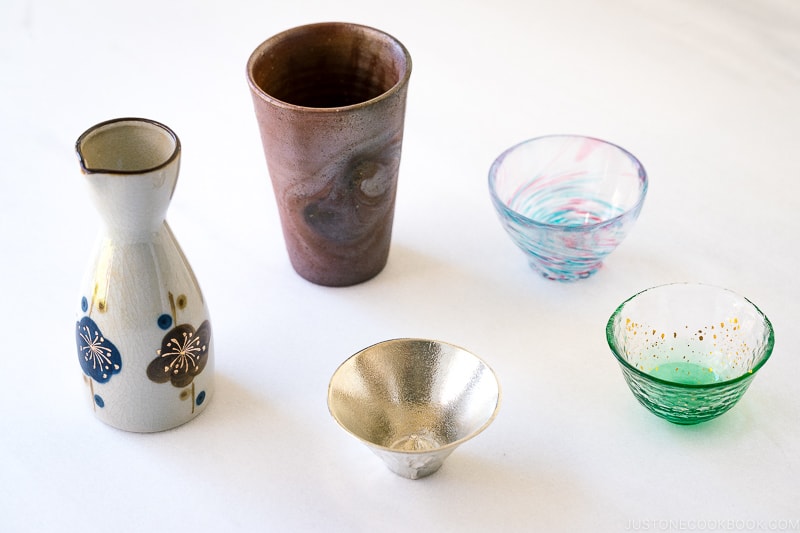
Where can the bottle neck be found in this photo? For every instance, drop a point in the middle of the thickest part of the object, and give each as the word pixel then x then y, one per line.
pixel 133 206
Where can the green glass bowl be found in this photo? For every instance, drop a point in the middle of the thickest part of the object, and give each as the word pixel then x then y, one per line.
pixel 689 351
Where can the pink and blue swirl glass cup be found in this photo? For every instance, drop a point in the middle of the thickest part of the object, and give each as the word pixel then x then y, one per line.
pixel 567 201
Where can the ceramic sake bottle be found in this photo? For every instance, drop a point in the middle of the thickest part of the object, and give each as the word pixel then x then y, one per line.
pixel 143 332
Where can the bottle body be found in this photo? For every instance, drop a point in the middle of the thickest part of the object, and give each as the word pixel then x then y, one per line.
pixel 142 331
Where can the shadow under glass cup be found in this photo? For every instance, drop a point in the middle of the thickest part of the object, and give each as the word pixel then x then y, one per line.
pixel 330 102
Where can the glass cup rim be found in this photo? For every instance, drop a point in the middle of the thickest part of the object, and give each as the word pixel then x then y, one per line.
pixel 612 343
pixel 511 213
pixel 259 50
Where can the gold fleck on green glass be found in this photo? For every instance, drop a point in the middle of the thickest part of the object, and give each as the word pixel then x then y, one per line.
pixel 689 351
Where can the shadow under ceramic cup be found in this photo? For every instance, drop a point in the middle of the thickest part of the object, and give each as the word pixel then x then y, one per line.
pixel 330 102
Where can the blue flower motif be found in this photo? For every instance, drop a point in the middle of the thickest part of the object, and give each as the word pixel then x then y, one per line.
pixel 98 356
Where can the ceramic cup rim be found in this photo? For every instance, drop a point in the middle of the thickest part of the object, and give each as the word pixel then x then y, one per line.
pixel 259 51
pixel 108 124
pixel 511 213
pixel 443 447
pixel 613 345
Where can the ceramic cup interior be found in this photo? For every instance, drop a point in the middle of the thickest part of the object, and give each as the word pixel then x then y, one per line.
pixel 328 65
pixel 689 351
pixel 567 201
pixel 128 145
pixel 412 401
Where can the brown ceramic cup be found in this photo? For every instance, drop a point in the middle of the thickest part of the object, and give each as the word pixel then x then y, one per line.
pixel 330 103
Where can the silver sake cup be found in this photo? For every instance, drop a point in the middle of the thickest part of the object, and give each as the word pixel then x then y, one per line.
pixel 414 401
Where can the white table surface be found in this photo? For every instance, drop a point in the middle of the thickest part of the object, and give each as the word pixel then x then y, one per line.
pixel 705 93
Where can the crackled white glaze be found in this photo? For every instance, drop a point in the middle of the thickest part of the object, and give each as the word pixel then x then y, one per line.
pixel 143 334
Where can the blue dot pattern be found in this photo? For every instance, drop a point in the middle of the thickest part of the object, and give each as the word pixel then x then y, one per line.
pixel 164 321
